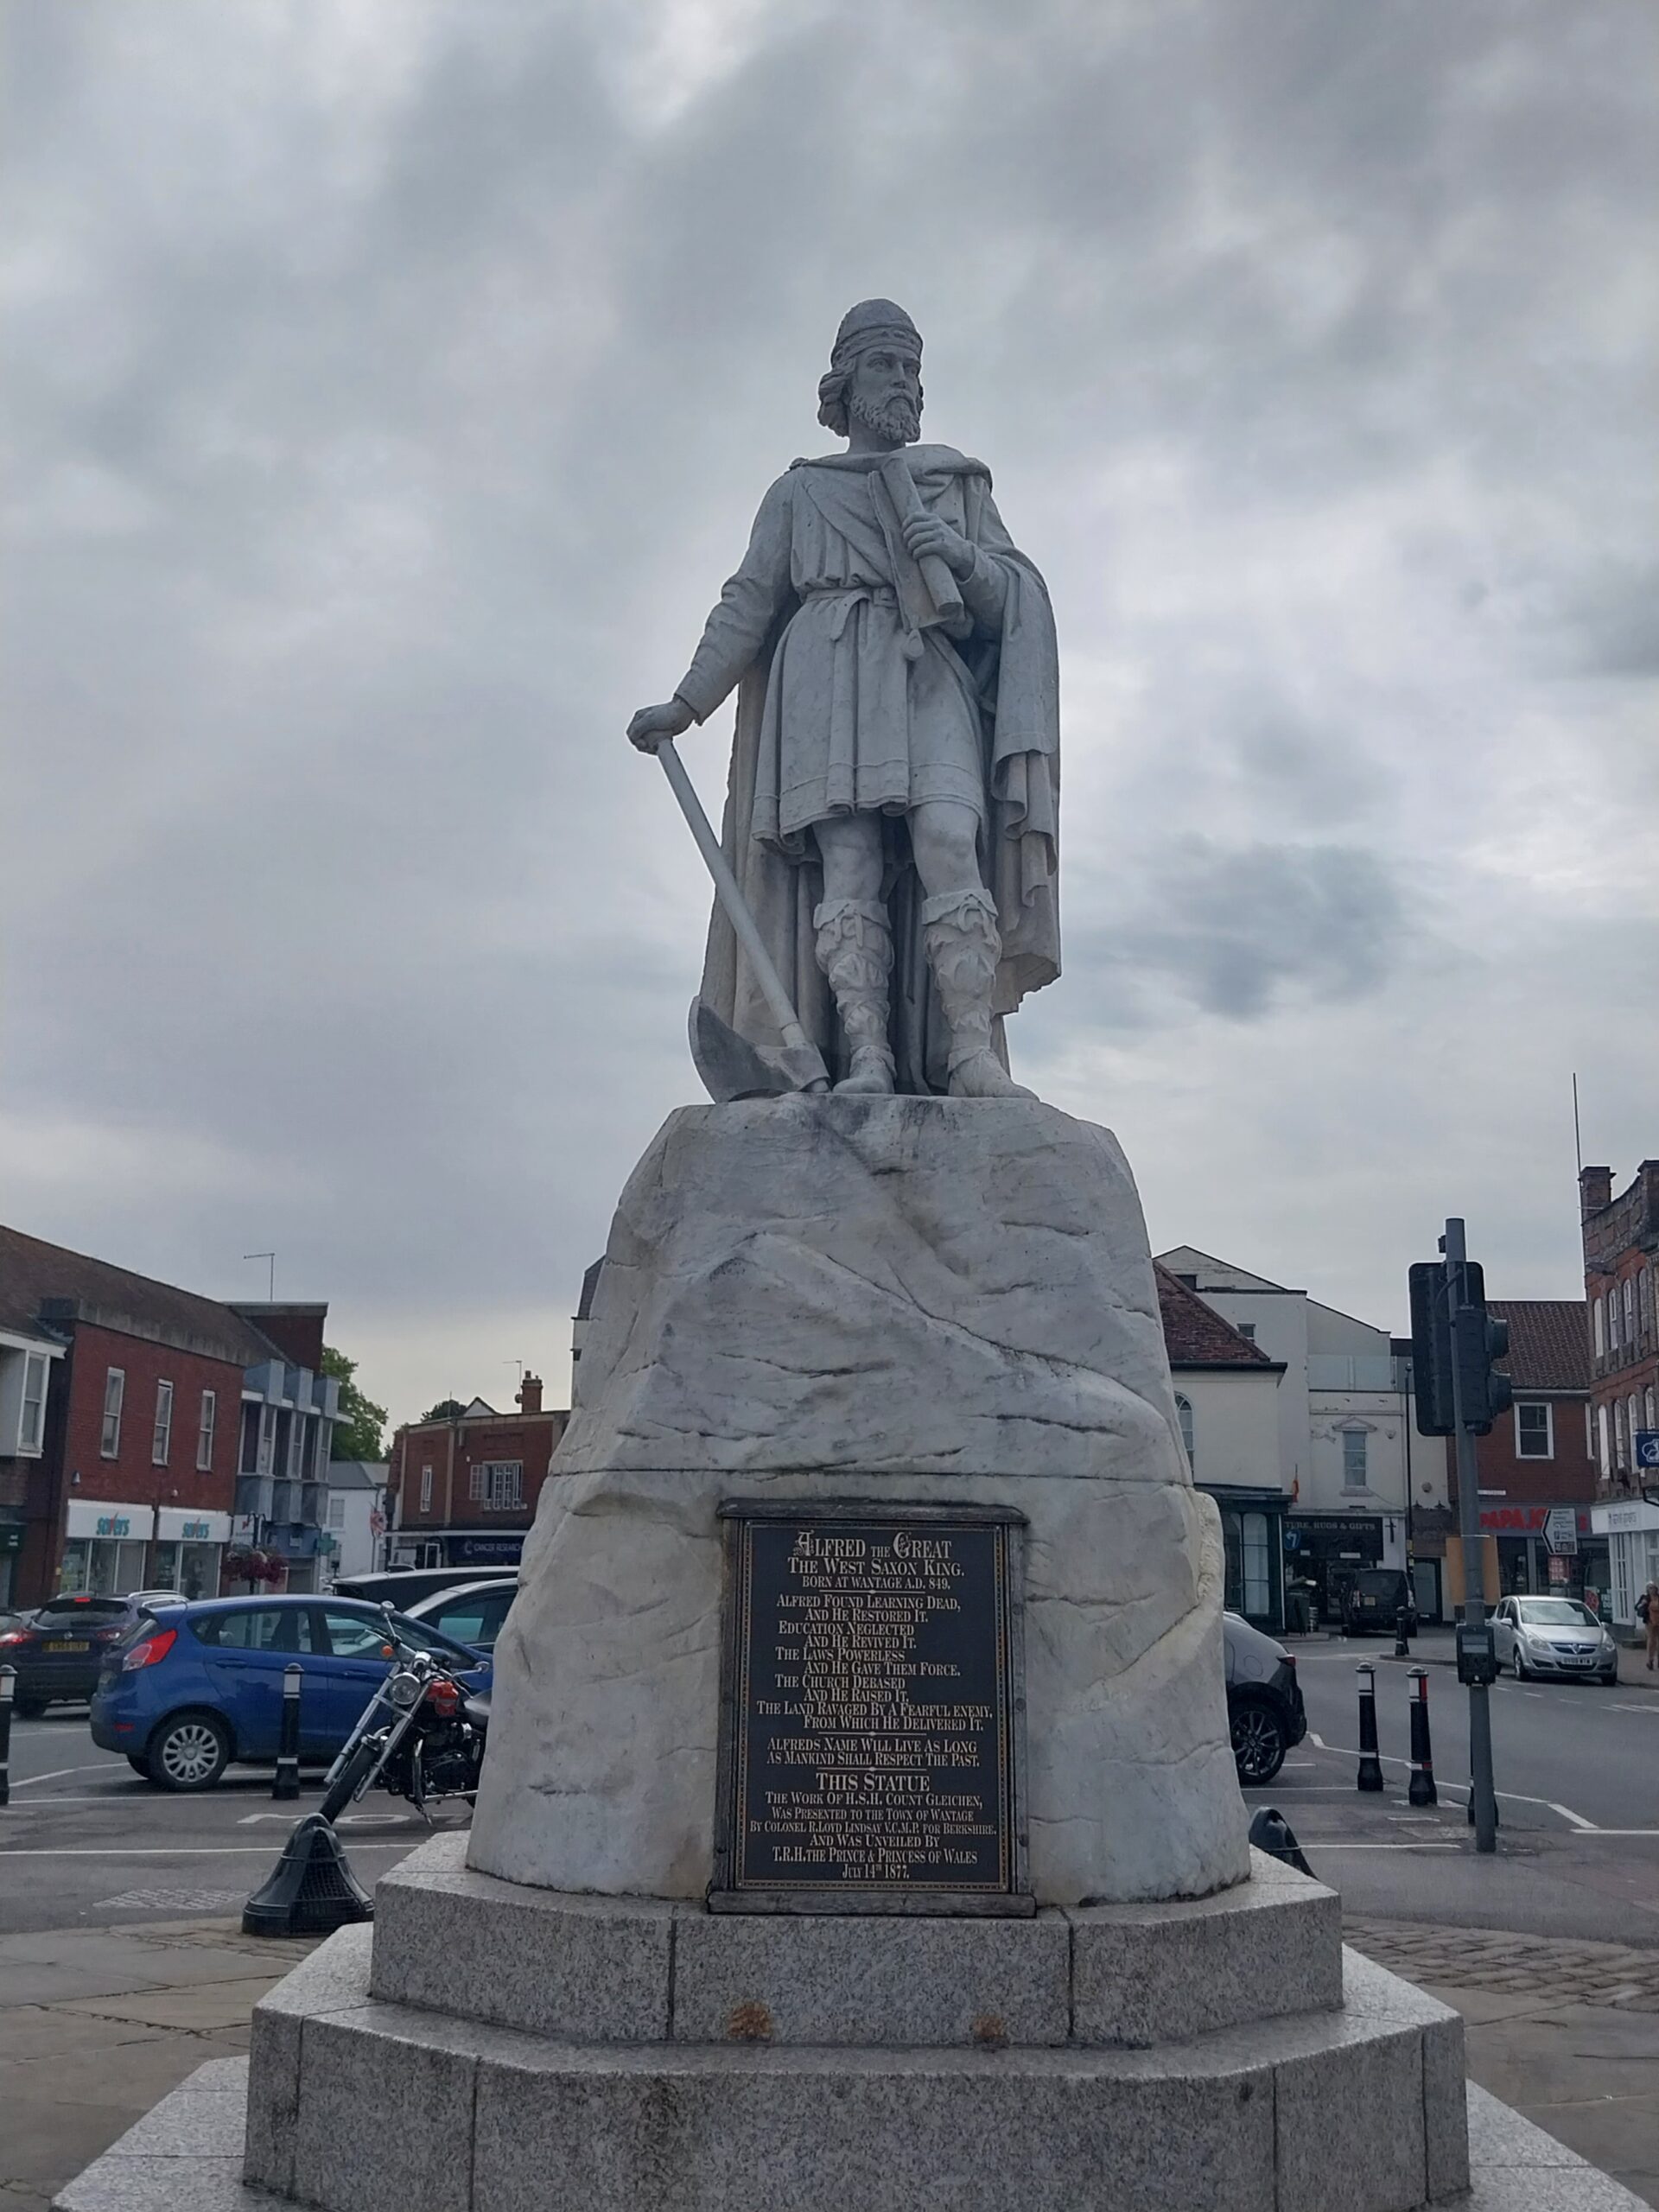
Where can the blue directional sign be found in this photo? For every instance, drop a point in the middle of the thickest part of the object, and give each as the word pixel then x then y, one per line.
pixel 1647 1447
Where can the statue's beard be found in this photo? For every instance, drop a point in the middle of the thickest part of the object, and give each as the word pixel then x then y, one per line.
pixel 900 418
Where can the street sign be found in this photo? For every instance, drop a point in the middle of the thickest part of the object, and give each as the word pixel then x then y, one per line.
pixel 1561 1529
pixel 1647 1447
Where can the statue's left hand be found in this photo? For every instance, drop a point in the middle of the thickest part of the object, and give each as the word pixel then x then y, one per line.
pixel 930 534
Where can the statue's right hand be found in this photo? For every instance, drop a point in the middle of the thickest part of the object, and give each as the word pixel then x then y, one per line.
pixel 652 724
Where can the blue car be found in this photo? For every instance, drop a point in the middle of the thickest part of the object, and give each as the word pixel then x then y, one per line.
pixel 185 1694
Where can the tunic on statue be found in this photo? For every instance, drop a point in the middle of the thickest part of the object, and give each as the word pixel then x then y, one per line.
pixel 854 696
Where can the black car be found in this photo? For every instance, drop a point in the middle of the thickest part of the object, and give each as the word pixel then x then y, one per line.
pixel 59 1649
pixel 1264 1701
pixel 1372 1598
pixel 400 1586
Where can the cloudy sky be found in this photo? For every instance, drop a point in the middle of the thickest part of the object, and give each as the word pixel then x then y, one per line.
pixel 390 384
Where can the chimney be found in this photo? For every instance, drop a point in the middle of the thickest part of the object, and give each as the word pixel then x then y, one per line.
pixel 1595 1190
pixel 529 1393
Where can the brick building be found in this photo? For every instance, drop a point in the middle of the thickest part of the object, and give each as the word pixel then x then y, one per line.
pixel 127 1407
pixel 462 1491
pixel 1538 1459
pixel 1621 1281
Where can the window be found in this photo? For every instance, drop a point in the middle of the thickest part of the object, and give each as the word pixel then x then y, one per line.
pixel 1644 1294
pixel 426 1489
pixel 204 1432
pixel 115 1389
pixel 1648 1408
pixel 1612 1319
pixel 1606 1439
pixel 1599 1319
pixel 1629 1300
pixel 1534 1435
pixel 1353 1458
pixel 337 1509
pixel 504 1483
pixel 257 1628
pixel 475 1619
pixel 353 1635
pixel 1258 1566
pixel 295 1445
pixel 1247 1330
pixel 1184 1414
pixel 478 1483
pixel 1621 1435
pixel 32 1424
pixel 160 1442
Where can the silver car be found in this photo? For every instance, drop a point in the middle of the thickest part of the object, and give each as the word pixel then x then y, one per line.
pixel 1553 1636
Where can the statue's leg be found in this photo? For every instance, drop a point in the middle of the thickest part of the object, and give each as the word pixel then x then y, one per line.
pixel 854 945
pixel 964 945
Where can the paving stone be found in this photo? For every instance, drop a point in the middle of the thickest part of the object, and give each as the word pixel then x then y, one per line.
pixel 163 2185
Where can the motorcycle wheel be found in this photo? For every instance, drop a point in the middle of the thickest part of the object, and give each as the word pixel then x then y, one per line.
pixel 347 1780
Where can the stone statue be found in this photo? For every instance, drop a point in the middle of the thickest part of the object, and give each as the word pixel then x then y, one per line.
pixel 892 808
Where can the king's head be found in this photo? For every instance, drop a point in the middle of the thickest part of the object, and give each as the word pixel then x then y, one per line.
pixel 875 374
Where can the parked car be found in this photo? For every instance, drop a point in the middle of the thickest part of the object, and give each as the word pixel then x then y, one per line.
pixel 59 1648
pixel 1373 1598
pixel 199 1685
pixel 1264 1701
pixel 472 1613
pixel 402 1585
pixel 1553 1636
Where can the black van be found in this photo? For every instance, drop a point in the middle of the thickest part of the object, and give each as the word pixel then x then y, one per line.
pixel 1372 1599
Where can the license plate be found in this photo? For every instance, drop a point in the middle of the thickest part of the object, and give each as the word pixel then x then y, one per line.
pixel 68 1647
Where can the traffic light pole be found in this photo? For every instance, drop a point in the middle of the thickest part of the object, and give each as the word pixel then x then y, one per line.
pixel 1474 1590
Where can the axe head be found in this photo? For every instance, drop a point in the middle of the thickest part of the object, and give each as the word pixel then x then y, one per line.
pixel 733 1068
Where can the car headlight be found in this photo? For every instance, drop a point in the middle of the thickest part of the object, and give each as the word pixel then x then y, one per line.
pixel 403 1690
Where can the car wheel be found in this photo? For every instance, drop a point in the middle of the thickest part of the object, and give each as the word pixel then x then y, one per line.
pixel 1258 1742
pixel 1519 1665
pixel 189 1751
pixel 31 1708
pixel 1609 1681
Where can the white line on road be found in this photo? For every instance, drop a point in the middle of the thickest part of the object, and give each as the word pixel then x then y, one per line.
pixel 175 1850
pixel 58 1773
pixel 1380 1846
pixel 1515 1796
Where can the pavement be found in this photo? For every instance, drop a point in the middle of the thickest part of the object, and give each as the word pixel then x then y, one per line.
pixel 123 1966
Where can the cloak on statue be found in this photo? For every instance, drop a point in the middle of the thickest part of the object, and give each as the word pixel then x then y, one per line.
pixel 829 622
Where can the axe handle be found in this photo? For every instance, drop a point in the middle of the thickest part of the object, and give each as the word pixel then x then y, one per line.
pixel 731 896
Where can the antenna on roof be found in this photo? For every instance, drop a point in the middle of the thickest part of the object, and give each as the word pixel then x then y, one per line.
pixel 1577 1141
pixel 270 1294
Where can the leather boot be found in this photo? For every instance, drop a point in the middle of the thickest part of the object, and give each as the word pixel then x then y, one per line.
pixel 963 947
pixel 854 951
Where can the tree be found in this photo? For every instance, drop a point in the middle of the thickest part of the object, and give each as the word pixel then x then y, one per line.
pixel 446 1409
pixel 360 1424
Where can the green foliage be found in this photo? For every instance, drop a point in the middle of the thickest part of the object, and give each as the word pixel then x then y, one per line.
pixel 446 1409
pixel 360 1426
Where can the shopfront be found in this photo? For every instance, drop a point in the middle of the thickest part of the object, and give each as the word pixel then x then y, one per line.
pixel 1630 1532
pixel 1252 1523
pixel 107 1548
pixel 187 1549
pixel 1548 1550
pixel 1325 1551
pixel 11 1542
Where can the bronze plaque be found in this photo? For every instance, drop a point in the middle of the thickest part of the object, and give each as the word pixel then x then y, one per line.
pixel 869 1753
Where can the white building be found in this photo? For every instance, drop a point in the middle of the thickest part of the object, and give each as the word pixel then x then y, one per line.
pixel 1348 1458
pixel 354 1517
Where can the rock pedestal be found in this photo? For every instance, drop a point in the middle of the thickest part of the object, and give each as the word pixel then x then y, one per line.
pixel 932 1300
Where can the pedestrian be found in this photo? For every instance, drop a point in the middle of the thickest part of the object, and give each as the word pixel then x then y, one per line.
pixel 1647 1611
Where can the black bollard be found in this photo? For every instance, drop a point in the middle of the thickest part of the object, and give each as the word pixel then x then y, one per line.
pixel 1422 1790
pixel 287 1783
pixel 1370 1767
pixel 7 1684
pixel 1401 1644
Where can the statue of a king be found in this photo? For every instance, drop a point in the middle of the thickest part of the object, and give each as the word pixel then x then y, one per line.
pixel 892 808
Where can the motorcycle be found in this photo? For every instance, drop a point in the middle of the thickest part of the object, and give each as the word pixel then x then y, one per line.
pixel 421 1736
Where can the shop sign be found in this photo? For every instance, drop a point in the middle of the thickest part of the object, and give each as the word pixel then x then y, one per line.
pixel 197 1532
pixel 1529 1520
pixel 1558 1570
pixel 11 1536
pixel 112 1524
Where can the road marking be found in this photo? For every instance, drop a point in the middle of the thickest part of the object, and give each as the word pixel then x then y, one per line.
pixel 346 1821
pixel 172 1851
pixel 1617 1707
pixel 1515 1796
pixel 57 1774
pixel 1379 1847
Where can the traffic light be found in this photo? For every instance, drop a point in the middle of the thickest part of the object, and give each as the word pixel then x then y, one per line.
pixel 1479 1337
pixel 1431 1348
